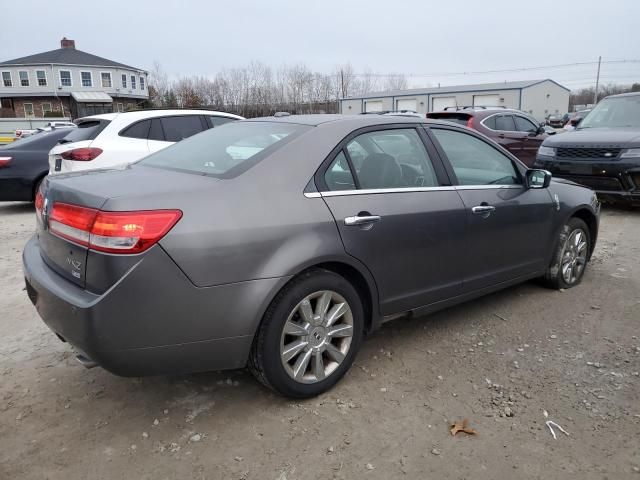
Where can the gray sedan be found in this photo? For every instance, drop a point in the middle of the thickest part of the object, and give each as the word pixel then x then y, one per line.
pixel 278 243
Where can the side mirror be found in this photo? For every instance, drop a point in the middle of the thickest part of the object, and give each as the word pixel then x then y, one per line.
pixel 575 121
pixel 537 178
pixel 541 129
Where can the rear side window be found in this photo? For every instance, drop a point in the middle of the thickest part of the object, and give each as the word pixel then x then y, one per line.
pixel 490 122
pixel 137 130
pixel 505 123
pixel 181 127
pixel 226 152
pixel 474 161
pixel 338 176
pixel 87 130
pixel 391 159
pixel 217 121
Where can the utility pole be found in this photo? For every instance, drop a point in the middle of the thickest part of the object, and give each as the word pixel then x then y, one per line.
pixel 595 94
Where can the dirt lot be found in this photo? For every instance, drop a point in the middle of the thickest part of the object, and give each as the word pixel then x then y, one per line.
pixel 499 362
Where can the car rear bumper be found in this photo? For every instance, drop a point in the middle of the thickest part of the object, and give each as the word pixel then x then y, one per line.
pixel 153 320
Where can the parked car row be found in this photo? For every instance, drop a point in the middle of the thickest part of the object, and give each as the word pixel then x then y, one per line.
pixel 99 141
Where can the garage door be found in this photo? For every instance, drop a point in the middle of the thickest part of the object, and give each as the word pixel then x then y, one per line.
pixel 440 103
pixel 486 100
pixel 373 106
pixel 407 104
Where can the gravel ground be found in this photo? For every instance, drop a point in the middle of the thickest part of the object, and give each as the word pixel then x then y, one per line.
pixel 499 362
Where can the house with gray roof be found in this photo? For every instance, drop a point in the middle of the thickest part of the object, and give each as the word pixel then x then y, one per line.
pixel 538 98
pixel 68 82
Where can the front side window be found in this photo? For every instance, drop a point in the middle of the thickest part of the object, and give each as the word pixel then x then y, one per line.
pixel 124 81
pixel 105 78
pixel 133 82
pixel 391 159
pixel 141 83
pixel 226 152
pixel 505 123
pixel 41 76
pixel 338 176
pixel 6 79
pixel 28 109
pixel 87 81
pixel 218 121
pixel 524 125
pixel 65 78
pixel 24 78
pixel 474 161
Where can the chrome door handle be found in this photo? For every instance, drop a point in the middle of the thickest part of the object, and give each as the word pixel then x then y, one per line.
pixel 364 220
pixel 485 210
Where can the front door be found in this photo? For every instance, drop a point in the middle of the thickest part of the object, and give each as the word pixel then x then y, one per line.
pixel 507 134
pixel 532 140
pixel 394 215
pixel 506 222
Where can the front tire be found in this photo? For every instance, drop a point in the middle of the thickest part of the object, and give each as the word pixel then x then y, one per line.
pixel 309 335
pixel 570 256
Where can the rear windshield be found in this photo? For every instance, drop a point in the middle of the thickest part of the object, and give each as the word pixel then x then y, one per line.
pixel 226 151
pixel 460 118
pixel 87 130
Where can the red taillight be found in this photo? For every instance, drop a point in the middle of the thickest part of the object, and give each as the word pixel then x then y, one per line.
pixel 5 161
pixel 111 232
pixel 18 133
pixel 470 122
pixel 82 154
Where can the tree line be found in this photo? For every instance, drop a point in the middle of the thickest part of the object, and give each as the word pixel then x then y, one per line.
pixel 585 96
pixel 259 90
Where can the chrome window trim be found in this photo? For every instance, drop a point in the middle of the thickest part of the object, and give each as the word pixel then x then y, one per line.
pixel 514 122
pixel 375 191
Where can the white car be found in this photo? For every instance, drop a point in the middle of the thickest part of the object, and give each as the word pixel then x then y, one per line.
pixel 117 139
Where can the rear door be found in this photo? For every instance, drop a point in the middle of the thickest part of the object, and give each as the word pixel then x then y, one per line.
pixel 507 224
pixel 506 133
pixel 531 142
pixel 395 214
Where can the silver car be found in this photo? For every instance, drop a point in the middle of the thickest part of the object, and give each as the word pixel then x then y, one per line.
pixel 278 243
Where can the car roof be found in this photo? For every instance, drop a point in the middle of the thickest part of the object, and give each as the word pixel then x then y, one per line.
pixel 135 115
pixel 478 111
pixel 322 118
pixel 628 94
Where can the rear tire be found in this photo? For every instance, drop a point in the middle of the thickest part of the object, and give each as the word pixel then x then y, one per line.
pixel 309 336
pixel 570 257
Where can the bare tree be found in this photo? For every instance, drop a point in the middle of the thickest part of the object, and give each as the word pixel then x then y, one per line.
pixel 396 81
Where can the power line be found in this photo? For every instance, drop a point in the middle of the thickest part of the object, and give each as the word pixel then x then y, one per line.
pixel 508 70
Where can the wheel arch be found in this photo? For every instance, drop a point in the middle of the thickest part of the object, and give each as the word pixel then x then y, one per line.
pixel 588 217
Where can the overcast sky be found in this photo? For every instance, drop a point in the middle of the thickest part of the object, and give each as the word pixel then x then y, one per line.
pixel 425 38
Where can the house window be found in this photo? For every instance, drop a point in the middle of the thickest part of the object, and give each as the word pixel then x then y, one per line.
pixel 41 76
pixel 6 79
pixel 120 107
pixel 106 79
pixel 28 109
pixel 24 78
pixel 86 79
pixel 141 83
pixel 46 107
pixel 124 81
pixel 133 82
pixel 65 78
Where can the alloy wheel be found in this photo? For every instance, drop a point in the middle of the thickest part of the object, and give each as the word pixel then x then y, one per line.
pixel 316 337
pixel 574 256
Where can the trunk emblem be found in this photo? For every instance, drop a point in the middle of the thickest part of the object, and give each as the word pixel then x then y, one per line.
pixel 608 154
pixel 74 263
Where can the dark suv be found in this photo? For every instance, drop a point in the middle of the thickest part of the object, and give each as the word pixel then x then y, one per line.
pixel 603 152
pixel 514 130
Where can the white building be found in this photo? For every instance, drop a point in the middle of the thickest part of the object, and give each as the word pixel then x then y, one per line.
pixel 536 97
pixel 69 82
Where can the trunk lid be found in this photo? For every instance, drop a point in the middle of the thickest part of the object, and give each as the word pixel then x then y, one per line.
pixel 127 189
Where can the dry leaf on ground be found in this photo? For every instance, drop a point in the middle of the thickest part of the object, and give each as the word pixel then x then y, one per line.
pixel 463 426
